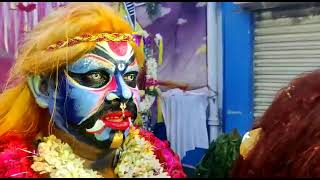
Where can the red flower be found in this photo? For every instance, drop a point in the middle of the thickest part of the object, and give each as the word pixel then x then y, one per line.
pixel 15 161
pixel 168 159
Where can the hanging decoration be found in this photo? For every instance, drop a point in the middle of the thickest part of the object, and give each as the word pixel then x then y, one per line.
pixel 151 90
pixel 28 8
pixel 159 42
pixel 12 6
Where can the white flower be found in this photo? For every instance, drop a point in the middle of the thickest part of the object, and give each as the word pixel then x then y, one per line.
pixel 57 159
pixel 137 161
pixel 152 66
pixel 147 103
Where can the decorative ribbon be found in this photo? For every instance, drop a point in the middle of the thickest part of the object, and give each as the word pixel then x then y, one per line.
pixel 12 33
pixel 25 22
pixel 159 42
pixel 159 111
pixel 41 10
pixel 34 18
pixel 5 28
pixel 137 38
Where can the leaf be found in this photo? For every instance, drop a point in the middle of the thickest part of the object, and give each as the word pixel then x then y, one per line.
pixel 221 155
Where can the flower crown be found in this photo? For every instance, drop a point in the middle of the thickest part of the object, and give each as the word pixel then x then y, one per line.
pixel 115 37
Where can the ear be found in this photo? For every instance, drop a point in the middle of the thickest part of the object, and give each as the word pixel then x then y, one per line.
pixel 39 87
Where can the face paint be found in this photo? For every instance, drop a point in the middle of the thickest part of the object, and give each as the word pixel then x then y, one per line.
pixel 98 94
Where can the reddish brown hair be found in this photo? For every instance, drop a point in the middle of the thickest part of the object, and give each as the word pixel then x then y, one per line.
pixel 289 145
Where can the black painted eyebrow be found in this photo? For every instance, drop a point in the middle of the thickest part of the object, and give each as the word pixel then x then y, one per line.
pixel 131 59
pixel 103 53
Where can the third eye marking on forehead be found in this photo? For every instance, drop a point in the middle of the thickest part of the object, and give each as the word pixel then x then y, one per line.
pixel 103 50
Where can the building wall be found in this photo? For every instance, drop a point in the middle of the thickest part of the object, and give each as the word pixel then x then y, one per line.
pixel 238 68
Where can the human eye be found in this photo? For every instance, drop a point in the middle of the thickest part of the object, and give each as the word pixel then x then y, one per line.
pixel 130 78
pixel 93 79
pixel 95 76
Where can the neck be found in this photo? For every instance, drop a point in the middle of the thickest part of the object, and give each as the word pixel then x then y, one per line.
pixel 98 159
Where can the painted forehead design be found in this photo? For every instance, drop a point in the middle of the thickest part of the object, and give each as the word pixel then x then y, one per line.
pixel 116 52
pixel 108 54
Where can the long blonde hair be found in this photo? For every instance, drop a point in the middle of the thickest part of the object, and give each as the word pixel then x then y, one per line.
pixel 18 109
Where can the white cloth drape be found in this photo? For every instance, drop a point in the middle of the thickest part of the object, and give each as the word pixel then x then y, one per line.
pixel 15 22
pixel 185 119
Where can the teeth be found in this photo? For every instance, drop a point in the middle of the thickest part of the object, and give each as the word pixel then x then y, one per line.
pixel 111 96
pixel 115 119
pixel 97 126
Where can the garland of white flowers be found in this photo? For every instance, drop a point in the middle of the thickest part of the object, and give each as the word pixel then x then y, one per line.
pixel 146 104
pixel 137 159
pixel 58 160
pixel 151 74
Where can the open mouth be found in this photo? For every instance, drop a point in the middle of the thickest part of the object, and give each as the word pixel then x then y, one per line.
pixel 114 120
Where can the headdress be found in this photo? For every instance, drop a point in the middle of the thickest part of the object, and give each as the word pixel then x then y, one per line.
pixel 115 37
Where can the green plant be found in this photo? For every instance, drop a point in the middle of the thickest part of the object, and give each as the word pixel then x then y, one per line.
pixel 222 153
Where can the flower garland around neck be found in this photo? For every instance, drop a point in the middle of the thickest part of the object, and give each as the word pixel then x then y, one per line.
pixel 58 160
pixel 142 155
pixel 137 159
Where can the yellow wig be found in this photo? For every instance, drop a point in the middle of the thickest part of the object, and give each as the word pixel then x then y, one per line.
pixel 18 108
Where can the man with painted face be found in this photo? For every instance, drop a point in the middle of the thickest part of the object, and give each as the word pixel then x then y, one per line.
pixel 97 95
pixel 76 78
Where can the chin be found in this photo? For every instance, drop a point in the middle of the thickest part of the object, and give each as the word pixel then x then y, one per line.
pixel 100 129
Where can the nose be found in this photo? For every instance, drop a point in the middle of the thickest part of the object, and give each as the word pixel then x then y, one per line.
pixel 122 91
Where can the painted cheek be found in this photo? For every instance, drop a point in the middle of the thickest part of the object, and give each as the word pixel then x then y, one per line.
pixel 102 93
pixel 82 103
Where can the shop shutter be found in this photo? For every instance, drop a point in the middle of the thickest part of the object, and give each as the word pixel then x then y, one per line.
pixel 283 49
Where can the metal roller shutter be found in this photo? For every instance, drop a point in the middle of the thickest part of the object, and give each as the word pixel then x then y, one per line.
pixel 283 48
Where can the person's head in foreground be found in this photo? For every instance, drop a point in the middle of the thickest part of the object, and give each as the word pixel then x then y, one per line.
pixel 286 139
pixel 76 77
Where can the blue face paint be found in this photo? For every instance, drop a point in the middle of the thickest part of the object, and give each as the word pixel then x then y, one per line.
pixel 91 62
pixel 123 89
pixel 104 135
pixel 78 107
